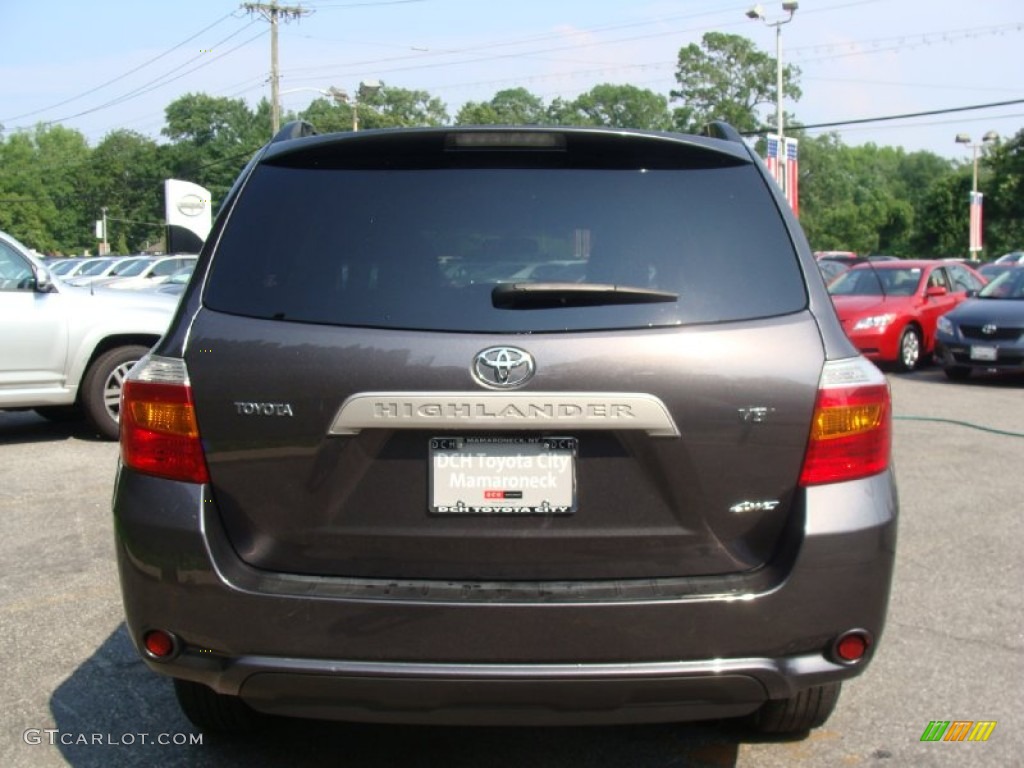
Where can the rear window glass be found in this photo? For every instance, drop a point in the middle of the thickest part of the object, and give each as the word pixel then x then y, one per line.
pixel 423 249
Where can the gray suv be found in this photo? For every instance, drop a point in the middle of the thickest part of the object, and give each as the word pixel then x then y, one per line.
pixel 506 425
pixel 64 351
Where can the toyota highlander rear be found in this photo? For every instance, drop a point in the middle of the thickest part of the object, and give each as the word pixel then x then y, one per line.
pixel 506 426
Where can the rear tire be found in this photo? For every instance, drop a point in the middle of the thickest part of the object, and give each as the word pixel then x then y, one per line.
pixel 910 350
pixel 957 372
pixel 101 387
pixel 810 708
pixel 213 712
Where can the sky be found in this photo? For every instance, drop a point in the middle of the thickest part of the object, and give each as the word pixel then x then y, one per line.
pixel 112 64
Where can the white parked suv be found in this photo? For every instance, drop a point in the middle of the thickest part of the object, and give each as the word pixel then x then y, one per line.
pixel 64 351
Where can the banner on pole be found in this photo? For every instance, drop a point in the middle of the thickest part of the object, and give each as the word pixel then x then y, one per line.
pixel 783 161
pixel 975 237
pixel 792 187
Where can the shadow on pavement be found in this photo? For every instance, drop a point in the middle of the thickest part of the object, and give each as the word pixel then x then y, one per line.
pixel 18 427
pixel 114 698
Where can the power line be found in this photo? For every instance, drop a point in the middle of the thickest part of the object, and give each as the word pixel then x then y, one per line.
pixel 162 80
pixel 900 42
pixel 119 77
pixel 272 13
pixel 343 6
pixel 958 121
pixel 949 35
pixel 904 116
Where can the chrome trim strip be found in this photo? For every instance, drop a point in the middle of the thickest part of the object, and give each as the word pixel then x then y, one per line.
pixel 504 410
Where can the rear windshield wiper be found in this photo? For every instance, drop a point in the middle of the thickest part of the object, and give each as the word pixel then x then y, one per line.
pixel 553 295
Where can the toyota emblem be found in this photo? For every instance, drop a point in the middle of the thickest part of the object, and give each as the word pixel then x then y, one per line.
pixel 988 329
pixel 503 367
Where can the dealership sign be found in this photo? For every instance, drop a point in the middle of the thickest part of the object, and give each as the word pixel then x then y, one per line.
pixel 188 209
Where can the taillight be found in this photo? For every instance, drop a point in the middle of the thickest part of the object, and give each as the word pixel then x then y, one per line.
pixel 851 432
pixel 159 432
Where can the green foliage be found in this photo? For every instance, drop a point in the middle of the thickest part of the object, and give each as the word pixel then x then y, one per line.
pixel 943 226
pixel 128 172
pixel 44 175
pixel 515 106
pixel 385 108
pixel 870 199
pixel 212 138
pixel 727 78
pixel 614 106
pixel 1004 199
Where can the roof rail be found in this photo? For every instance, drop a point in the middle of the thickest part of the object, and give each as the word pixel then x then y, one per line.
pixel 719 129
pixel 296 129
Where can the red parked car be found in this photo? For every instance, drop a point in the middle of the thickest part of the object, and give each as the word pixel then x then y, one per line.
pixel 889 308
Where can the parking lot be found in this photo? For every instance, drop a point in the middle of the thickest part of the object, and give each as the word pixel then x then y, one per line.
pixel 75 692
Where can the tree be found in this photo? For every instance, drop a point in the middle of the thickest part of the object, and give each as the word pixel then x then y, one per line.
pixel 615 106
pixel 514 106
pixel 385 108
pixel 871 199
pixel 401 108
pixel 44 171
pixel 727 78
pixel 212 139
pixel 1004 201
pixel 128 171
pixel 943 223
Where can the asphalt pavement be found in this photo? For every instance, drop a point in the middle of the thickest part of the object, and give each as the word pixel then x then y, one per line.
pixel 74 692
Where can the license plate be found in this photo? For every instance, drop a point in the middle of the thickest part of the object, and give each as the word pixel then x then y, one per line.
pixel 503 476
pixel 983 353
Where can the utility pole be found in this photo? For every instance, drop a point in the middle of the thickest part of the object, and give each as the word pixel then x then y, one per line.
pixel 272 12
pixel 105 245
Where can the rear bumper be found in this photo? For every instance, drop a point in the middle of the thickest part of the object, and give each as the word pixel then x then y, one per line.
pixel 516 694
pixel 504 653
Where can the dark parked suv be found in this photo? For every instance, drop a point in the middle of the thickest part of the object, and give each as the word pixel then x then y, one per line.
pixel 521 426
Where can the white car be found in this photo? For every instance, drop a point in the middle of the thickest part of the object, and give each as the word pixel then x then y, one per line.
pixel 113 267
pixel 64 351
pixel 147 274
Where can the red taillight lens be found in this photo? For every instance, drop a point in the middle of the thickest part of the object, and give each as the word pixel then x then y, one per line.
pixel 852 646
pixel 159 433
pixel 159 644
pixel 851 432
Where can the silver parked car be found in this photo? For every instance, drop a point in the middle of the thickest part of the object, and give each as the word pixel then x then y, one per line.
pixel 366 476
pixel 65 351
pixel 146 274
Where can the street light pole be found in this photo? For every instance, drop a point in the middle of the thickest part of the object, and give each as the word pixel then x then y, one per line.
pixel 974 208
pixel 366 88
pixel 757 12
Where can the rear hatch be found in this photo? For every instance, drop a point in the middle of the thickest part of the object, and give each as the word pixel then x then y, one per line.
pixel 580 356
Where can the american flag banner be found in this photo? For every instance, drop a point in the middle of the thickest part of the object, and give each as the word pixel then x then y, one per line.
pixel 772 156
pixel 792 186
pixel 975 238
